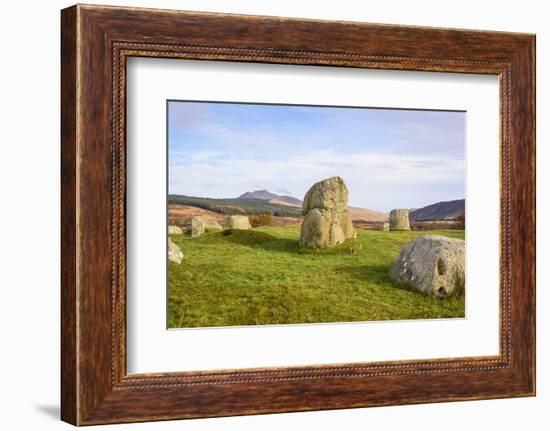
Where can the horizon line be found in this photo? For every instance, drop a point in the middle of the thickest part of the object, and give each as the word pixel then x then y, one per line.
pixel 290 196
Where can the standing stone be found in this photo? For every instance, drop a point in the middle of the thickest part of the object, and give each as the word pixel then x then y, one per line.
pixel 197 226
pixel 432 264
pixel 399 219
pixel 327 220
pixel 174 252
pixel 385 227
pixel 175 230
pixel 239 222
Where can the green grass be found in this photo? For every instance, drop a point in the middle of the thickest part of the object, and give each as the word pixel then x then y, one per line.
pixel 262 276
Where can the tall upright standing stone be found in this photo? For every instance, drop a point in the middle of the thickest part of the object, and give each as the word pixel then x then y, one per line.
pixel 197 226
pixel 399 219
pixel 327 221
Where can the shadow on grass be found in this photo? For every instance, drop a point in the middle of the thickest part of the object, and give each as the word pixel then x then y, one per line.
pixel 258 239
pixel 375 273
pixel 269 242
pixel 380 275
pixel 348 247
pixel 247 237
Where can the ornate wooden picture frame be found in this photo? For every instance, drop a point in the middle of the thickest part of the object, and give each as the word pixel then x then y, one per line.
pixel 96 41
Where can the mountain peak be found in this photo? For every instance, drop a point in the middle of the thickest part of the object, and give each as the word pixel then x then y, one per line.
pixel 266 195
pixel 259 194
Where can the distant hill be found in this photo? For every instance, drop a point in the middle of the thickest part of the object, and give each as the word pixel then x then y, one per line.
pixel 285 203
pixel 450 210
pixel 235 206
pixel 364 214
pixel 266 195
pixel 264 202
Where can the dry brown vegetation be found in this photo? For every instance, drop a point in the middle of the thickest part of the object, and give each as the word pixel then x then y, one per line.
pixel 366 215
pixel 438 224
pixel 181 215
pixel 368 225
pixel 261 220
pixel 282 202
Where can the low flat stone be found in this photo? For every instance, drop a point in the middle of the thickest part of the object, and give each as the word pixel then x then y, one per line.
pixel 175 230
pixel 211 224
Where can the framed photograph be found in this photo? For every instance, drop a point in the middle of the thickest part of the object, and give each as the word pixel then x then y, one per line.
pixel 263 214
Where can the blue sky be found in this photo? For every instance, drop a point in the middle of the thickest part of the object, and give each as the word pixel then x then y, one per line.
pixel 388 158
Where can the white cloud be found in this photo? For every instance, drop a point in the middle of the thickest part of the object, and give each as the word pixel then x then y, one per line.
pixel 375 180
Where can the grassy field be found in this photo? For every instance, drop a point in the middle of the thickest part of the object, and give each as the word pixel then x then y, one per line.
pixel 262 276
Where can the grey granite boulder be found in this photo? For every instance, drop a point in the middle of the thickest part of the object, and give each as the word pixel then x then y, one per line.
pixel 432 264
